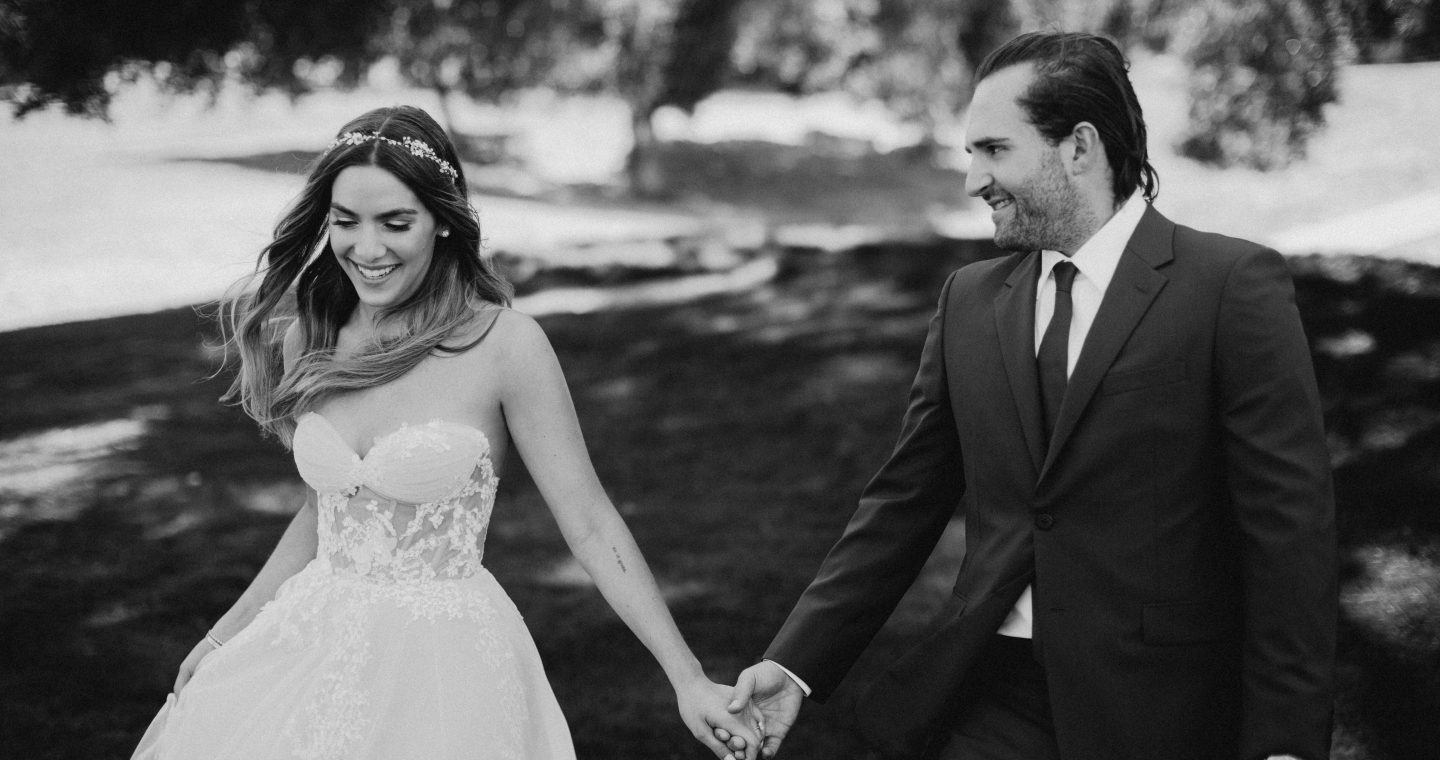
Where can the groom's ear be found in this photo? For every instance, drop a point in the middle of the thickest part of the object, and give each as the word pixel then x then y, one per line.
pixel 1081 151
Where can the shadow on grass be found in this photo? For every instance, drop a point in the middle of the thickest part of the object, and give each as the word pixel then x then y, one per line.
pixel 734 434
pixel 1375 334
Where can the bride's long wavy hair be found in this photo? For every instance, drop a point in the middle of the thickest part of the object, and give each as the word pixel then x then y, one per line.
pixel 300 261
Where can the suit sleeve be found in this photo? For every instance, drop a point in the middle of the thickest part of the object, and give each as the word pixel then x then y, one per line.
pixel 1278 475
pixel 901 515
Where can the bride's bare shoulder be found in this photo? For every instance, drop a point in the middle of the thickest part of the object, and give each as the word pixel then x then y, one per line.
pixel 500 329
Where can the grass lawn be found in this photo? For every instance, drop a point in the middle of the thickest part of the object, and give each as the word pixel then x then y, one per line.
pixel 734 433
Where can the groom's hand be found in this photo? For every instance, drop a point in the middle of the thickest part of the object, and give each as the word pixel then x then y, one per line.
pixel 766 689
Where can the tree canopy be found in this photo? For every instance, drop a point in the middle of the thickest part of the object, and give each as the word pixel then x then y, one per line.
pixel 69 52
pixel 1261 73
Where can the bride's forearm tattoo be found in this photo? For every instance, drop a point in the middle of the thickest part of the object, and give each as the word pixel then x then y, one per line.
pixel 619 561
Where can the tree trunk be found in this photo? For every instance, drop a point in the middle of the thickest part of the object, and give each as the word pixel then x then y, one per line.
pixel 447 120
pixel 643 169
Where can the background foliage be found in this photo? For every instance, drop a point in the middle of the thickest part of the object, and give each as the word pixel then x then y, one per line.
pixel 1262 72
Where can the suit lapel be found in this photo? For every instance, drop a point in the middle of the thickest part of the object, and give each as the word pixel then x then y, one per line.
pixel 1015 325
pixel 1132 289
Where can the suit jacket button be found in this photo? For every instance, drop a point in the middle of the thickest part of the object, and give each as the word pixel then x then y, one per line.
pixel 1044 521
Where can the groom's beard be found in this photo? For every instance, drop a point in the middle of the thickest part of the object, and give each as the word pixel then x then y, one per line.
pixel 1047 215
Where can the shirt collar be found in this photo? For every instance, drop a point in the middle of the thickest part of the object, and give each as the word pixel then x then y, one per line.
pixel 1100 255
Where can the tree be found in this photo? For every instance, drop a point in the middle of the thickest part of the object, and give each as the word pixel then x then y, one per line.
pixel 1395 30
pixel 1262 72
pixel 920 71
pixel 916 56
pixel 656 53
pixel 485 49
pixel 1260 77
pixel 1102 16
pixel 651 53
pixel 62 51
pixel 804 46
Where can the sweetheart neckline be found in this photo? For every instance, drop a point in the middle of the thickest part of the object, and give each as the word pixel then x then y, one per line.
pixel 379 439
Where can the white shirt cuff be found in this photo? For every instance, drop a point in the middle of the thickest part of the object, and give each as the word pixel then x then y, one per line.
pixel 797 679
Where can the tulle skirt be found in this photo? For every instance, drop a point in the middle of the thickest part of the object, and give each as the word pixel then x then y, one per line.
pixel 342 667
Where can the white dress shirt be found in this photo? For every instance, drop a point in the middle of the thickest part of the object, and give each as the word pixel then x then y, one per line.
pixel 1095 263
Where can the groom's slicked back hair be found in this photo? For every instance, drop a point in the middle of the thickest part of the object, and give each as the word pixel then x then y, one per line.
pixel 1083 77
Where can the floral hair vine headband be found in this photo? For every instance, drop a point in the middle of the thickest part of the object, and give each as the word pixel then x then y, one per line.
pixel 415 147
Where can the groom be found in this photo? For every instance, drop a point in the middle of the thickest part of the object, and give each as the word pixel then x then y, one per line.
pixel 1128 410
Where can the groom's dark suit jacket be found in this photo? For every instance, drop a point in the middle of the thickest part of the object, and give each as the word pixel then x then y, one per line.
pixel 1179 529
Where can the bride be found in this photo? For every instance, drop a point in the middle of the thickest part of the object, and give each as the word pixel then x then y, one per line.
pixel 373 630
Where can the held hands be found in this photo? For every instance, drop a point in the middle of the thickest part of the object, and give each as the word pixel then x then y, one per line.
pixel 192 661
pixel 766 694
pixel 703 707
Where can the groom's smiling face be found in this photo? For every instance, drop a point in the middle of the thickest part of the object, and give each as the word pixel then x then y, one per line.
pixel 1015 170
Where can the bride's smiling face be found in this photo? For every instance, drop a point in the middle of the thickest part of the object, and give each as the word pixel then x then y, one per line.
pixel 382 235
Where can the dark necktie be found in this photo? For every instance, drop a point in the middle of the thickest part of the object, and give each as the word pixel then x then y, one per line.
pixel 1054 349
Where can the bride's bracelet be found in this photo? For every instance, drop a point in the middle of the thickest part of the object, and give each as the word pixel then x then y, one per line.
pixel 213 639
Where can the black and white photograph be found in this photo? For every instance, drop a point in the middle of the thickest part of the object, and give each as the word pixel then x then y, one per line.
pixel 733 379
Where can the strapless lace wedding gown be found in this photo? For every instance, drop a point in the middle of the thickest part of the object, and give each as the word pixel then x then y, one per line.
pixel 394 642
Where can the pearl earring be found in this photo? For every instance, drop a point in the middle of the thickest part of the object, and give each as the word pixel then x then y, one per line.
pixel 445 232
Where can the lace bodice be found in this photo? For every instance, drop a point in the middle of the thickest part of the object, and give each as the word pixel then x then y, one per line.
pixel 416 507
